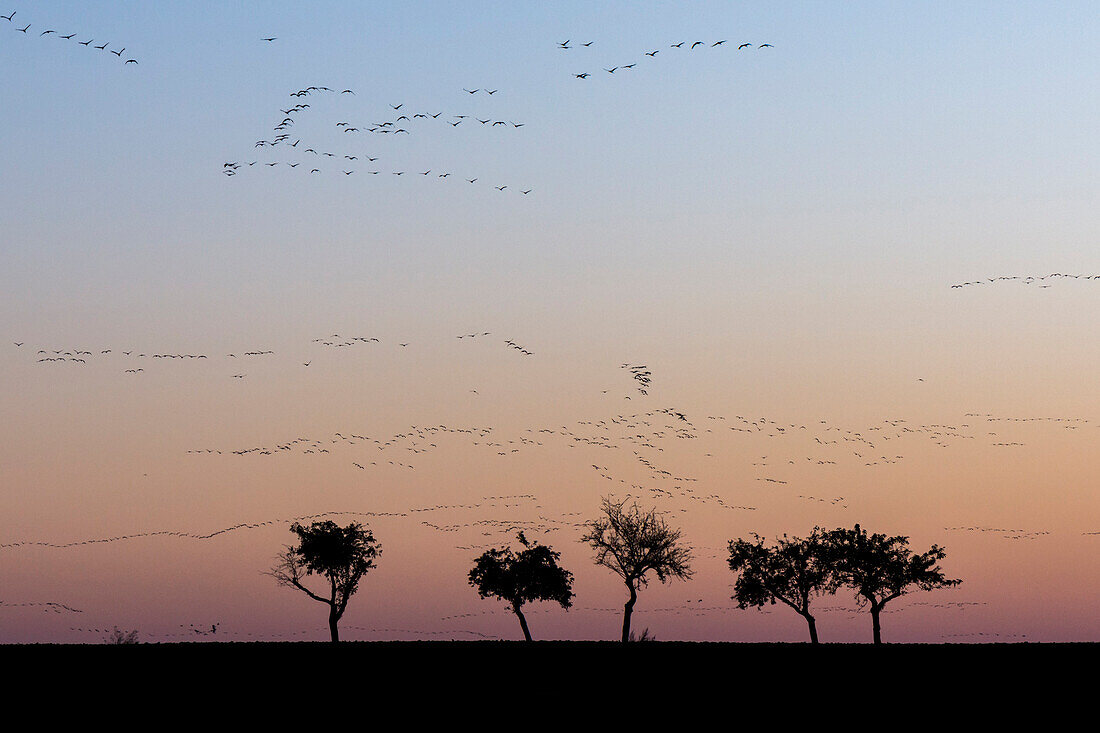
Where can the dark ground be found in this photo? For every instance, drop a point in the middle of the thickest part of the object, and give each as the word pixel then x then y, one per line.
pixel 573 687
pixel 642 673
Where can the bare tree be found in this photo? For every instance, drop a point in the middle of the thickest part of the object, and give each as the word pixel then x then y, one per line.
pixel 343 555
pixel 118 636
pixel 633 543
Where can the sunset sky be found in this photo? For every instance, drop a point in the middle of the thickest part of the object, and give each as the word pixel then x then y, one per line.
pixel 774 233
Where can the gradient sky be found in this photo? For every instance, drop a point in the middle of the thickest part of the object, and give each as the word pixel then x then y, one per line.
pixel 773 232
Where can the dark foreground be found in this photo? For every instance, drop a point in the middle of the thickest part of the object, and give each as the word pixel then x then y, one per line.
pixel 650 670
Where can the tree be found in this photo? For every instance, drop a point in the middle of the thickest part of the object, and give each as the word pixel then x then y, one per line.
pixel 792 572
pixel 633 543
pixel 118 636
pixel 881 568
pixel 532 574
pixel 343 555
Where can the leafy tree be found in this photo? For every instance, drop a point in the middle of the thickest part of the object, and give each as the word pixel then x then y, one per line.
pixel 343 555
pixel 791 572
pixel 633 543
pixel 881 568
pixel 532 574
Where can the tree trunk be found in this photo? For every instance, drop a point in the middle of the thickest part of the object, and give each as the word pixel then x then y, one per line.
pixel 333 619
pixel 627 610
pixel 813 627
pixel 875 625
pixel 522 623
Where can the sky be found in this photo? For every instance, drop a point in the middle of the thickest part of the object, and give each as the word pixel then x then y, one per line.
pixel 859 261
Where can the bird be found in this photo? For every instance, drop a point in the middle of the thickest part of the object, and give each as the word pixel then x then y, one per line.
pixel 8 17
pixel 24 30
pixel 744 45
pixel 652 53
pixel 716 43
pixel 581 76
pixel 697 43
pixel 269 40
pixel 765 45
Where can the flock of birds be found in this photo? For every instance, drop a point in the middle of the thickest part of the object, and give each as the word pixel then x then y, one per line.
pixel 80 355
pixel 74 37
pixel 1038 280
pixel 652 55
pixel 637 440
pixel 397 120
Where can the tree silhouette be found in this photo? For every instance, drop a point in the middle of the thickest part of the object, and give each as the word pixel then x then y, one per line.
pixel 792 572
pixel 343 555
pixel 881 568
pixel 532 574
pixel 633 543
pixel 118 636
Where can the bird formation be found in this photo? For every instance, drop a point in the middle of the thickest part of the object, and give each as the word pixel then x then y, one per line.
pixel 1004 532
pixel 641 375
pixel 486 503
pixel 313 159
pixel 51 606
pixel 1026 279
pixel 50 32
pixel 334 341
pixel 652 55
pixel 637 439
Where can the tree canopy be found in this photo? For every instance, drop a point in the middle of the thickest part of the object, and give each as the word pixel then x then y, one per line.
pixel 634 543
pixel 532 574
pixel 881 568
pixel 792 572
pixel 342 555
